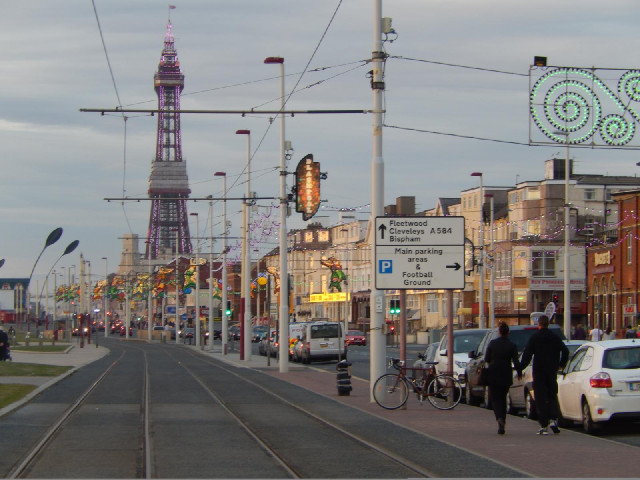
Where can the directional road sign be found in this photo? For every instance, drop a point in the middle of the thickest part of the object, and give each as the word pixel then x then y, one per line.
pixel 419 253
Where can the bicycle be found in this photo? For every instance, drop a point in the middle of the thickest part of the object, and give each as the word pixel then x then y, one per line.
pixel 391 390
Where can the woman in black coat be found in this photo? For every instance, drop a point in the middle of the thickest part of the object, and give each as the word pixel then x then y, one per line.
pixel 501 353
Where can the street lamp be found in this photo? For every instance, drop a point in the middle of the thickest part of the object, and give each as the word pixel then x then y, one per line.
pixel 225 320
pixel 176 321
pixel 481 322
pixel 53 237
pixel 283 361
pixel 492 271
pixel 70 248
pixel 104 295
pixel 567 277
pixel 245 299
pixel 149 298
pixel 197 279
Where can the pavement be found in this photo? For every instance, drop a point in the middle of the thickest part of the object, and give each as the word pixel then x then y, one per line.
pixel 472 429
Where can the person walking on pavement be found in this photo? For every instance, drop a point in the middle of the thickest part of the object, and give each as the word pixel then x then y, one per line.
pixel 549 353
pixel 630 333
pixel 501 353
pixel 609 334
pixel 596 334
pixel 4 345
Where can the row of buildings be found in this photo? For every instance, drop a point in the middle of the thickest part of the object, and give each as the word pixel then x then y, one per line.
pixel 516 234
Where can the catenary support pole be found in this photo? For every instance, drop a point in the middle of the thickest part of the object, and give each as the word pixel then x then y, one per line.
pixel 377 363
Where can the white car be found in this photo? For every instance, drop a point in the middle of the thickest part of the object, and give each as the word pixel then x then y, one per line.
pixel 601 382
pixel 464 341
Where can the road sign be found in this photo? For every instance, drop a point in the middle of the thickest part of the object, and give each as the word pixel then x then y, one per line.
pixel 550 310
pixel 419 253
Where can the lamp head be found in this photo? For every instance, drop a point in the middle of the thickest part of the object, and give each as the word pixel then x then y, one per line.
pixel 476 174
pixel 220 174
pixel 274 60
pixel 243 132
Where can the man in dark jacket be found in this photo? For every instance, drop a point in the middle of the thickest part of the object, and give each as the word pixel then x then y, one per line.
pixel 549 354
pixel 4 343
pixel 501 353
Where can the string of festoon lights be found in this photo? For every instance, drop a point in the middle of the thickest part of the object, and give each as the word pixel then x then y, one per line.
pixel 558 233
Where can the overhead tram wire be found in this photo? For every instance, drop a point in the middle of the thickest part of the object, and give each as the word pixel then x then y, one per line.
pixel 124 117
pixel 495 140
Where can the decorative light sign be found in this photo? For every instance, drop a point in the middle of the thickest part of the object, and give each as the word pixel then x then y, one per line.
pixel 574 106
pixel 307 187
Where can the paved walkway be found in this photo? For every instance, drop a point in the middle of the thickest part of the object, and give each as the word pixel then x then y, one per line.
pixel 569 454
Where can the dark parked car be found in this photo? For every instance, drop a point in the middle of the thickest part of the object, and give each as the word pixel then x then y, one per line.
pixel 258 331
pixel 518 334
pixel 234 332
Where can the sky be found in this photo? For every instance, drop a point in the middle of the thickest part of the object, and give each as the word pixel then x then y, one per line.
pixel 456 100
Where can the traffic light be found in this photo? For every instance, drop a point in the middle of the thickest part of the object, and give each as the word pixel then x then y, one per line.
pixel 394 307
pixel 555 299
pixel 392 329
pixel 228 310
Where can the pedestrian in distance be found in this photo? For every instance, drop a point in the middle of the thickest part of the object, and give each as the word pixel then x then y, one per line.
pixel 630 333
pixel 4 345
pixel 549 353
pixel 501 354
pixel 609 334
pixel 595 335
pixel 579 333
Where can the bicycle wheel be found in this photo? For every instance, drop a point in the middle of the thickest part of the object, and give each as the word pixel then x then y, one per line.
pixel 444 392
pixel 390 391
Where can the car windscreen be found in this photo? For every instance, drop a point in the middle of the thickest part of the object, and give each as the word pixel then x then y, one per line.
pixel 621 358
pixel 521 337
pixel 324 331
pixel 466 343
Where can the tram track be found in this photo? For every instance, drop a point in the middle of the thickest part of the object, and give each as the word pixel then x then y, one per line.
pixel 411 468
pixel 23 467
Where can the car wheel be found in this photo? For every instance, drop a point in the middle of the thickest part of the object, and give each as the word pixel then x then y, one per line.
pixel 588 424
pixel 468 396
pixel 530 406
pixel 487 402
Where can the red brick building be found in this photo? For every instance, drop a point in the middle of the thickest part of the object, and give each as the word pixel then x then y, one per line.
pixel 613 270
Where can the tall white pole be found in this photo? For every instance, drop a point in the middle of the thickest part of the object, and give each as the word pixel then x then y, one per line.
pixel 177 318
pixel 150 321
pixel 225 294
pixel 211 276
pixel 104 295
pixel 377 365
pixel 245 351
pixel 197 325
pixel 481 319
pixel 567 277
pixel 492 272
pixel 283 321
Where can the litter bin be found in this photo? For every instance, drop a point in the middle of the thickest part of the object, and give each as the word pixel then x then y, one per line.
pixel 344 378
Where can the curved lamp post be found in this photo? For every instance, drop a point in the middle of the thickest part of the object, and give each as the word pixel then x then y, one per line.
pixel 53 237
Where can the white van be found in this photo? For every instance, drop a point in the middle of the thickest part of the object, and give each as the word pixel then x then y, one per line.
pixel 320 341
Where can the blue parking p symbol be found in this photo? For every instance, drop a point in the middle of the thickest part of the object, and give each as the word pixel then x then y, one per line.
pixel 385 266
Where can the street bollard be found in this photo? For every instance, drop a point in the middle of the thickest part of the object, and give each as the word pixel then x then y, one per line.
pixel 40 338
pixel 26 339
pixel 344 378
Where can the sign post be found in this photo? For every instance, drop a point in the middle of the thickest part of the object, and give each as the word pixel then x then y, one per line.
pixel 419 253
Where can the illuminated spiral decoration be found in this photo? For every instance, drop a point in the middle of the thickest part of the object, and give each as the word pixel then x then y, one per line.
pixel 565 109
pixel 629 86
pixel 616 131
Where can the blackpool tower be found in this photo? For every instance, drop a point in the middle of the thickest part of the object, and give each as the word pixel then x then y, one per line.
pixel 168 182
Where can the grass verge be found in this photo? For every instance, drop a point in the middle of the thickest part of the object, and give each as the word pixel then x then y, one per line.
pixel 14 369
pixel 40 349
pixel 12 392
